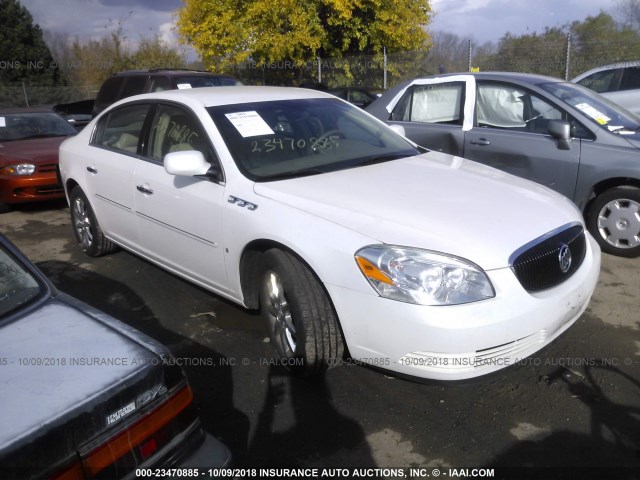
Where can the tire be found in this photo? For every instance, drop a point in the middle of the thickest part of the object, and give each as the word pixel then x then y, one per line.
pixel 300 318
pixel 86 227
pixel 614 220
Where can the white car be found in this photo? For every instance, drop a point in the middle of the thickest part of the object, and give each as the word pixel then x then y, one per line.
pixel 345 234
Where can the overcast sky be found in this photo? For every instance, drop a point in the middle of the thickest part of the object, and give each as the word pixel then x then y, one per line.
pixel 489 20
pixel 482 20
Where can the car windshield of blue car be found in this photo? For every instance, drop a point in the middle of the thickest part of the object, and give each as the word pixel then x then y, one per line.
pixel 595 107
pixel 18 286
pixel 23 126
pixel 282 139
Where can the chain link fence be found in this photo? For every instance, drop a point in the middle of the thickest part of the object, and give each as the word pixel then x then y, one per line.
pixel 30 95
pixel 560 58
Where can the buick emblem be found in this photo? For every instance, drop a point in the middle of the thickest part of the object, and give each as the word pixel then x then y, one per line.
pixel 564 258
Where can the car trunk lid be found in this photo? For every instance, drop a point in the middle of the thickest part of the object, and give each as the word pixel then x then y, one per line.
pixel 70 379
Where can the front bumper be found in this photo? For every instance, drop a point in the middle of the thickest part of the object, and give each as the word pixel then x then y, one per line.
pixel 464 341
pixel 33 188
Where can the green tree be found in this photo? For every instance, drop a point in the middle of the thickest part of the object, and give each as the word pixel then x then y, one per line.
pixel 449 53
pixel 600 40
pixel 228 32
pixel 596 40
pixel 24 54
pixel 155 53
pixel 544 53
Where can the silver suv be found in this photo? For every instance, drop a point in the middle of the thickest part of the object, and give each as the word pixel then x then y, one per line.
pixel 619 82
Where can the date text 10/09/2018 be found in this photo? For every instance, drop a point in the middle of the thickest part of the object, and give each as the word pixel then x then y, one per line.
pixel 304 473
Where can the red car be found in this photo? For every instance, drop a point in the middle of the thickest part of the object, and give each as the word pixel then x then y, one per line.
pixel 29 143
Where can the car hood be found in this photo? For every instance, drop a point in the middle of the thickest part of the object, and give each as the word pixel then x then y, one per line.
pixel 433 201
pixel 35 150
pixel 634 139
pixel 66 374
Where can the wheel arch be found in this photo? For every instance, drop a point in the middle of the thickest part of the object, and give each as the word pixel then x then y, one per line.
pixel 69 185
pixel 607 184
pixel 250 264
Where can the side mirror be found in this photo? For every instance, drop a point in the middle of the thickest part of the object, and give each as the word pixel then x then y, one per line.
pixel 188 163
pixel 560 130
pixel 398 129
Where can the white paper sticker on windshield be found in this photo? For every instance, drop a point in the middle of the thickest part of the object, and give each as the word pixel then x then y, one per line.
pixel 597 115
pixel 183 86
pixel 3 122
pixel 249 124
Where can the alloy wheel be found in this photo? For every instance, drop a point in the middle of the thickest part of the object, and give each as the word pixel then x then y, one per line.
pixel 279 315
pixel 82 222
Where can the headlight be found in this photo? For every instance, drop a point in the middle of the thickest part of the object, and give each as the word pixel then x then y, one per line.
pixel 423 277
pixel 19 169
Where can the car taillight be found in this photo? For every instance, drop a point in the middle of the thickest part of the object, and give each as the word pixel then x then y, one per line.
pixel 141 439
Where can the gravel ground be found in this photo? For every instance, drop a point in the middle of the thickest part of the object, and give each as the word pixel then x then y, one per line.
pixel 574 405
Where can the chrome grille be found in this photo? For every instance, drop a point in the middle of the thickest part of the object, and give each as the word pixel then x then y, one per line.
pixel 539 266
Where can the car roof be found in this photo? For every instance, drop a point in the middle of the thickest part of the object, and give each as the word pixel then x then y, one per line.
pixel 530 78
pixel 212 96
pixel 611 66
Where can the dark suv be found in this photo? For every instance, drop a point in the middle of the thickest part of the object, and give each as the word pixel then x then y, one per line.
pixel 134 82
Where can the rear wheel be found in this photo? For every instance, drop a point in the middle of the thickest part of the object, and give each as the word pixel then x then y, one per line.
pixel 302 324
pixel 614 220
pixel 86 227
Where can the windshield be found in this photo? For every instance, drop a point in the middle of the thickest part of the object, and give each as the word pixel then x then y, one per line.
pixel 597 109
pixel 22 126
pixel 291 138
pixel 18 286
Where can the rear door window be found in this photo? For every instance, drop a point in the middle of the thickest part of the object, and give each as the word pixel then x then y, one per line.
pixel 433 103
pixel 121 129
pixel 159 84
pixel 134 86
pixel 603 81
pixel 630 78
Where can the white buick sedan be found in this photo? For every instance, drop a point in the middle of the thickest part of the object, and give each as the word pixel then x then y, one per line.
pixel 349 238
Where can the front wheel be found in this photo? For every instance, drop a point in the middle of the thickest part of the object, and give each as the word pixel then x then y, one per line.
pixel 86 227
pixel 302 324
pixel 614 220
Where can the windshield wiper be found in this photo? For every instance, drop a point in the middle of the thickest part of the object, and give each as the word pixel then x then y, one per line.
pixel 305 172
pixel 622 130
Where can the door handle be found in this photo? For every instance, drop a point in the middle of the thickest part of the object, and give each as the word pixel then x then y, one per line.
pixel 480 141
pixel 92 169
pixel 144 190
